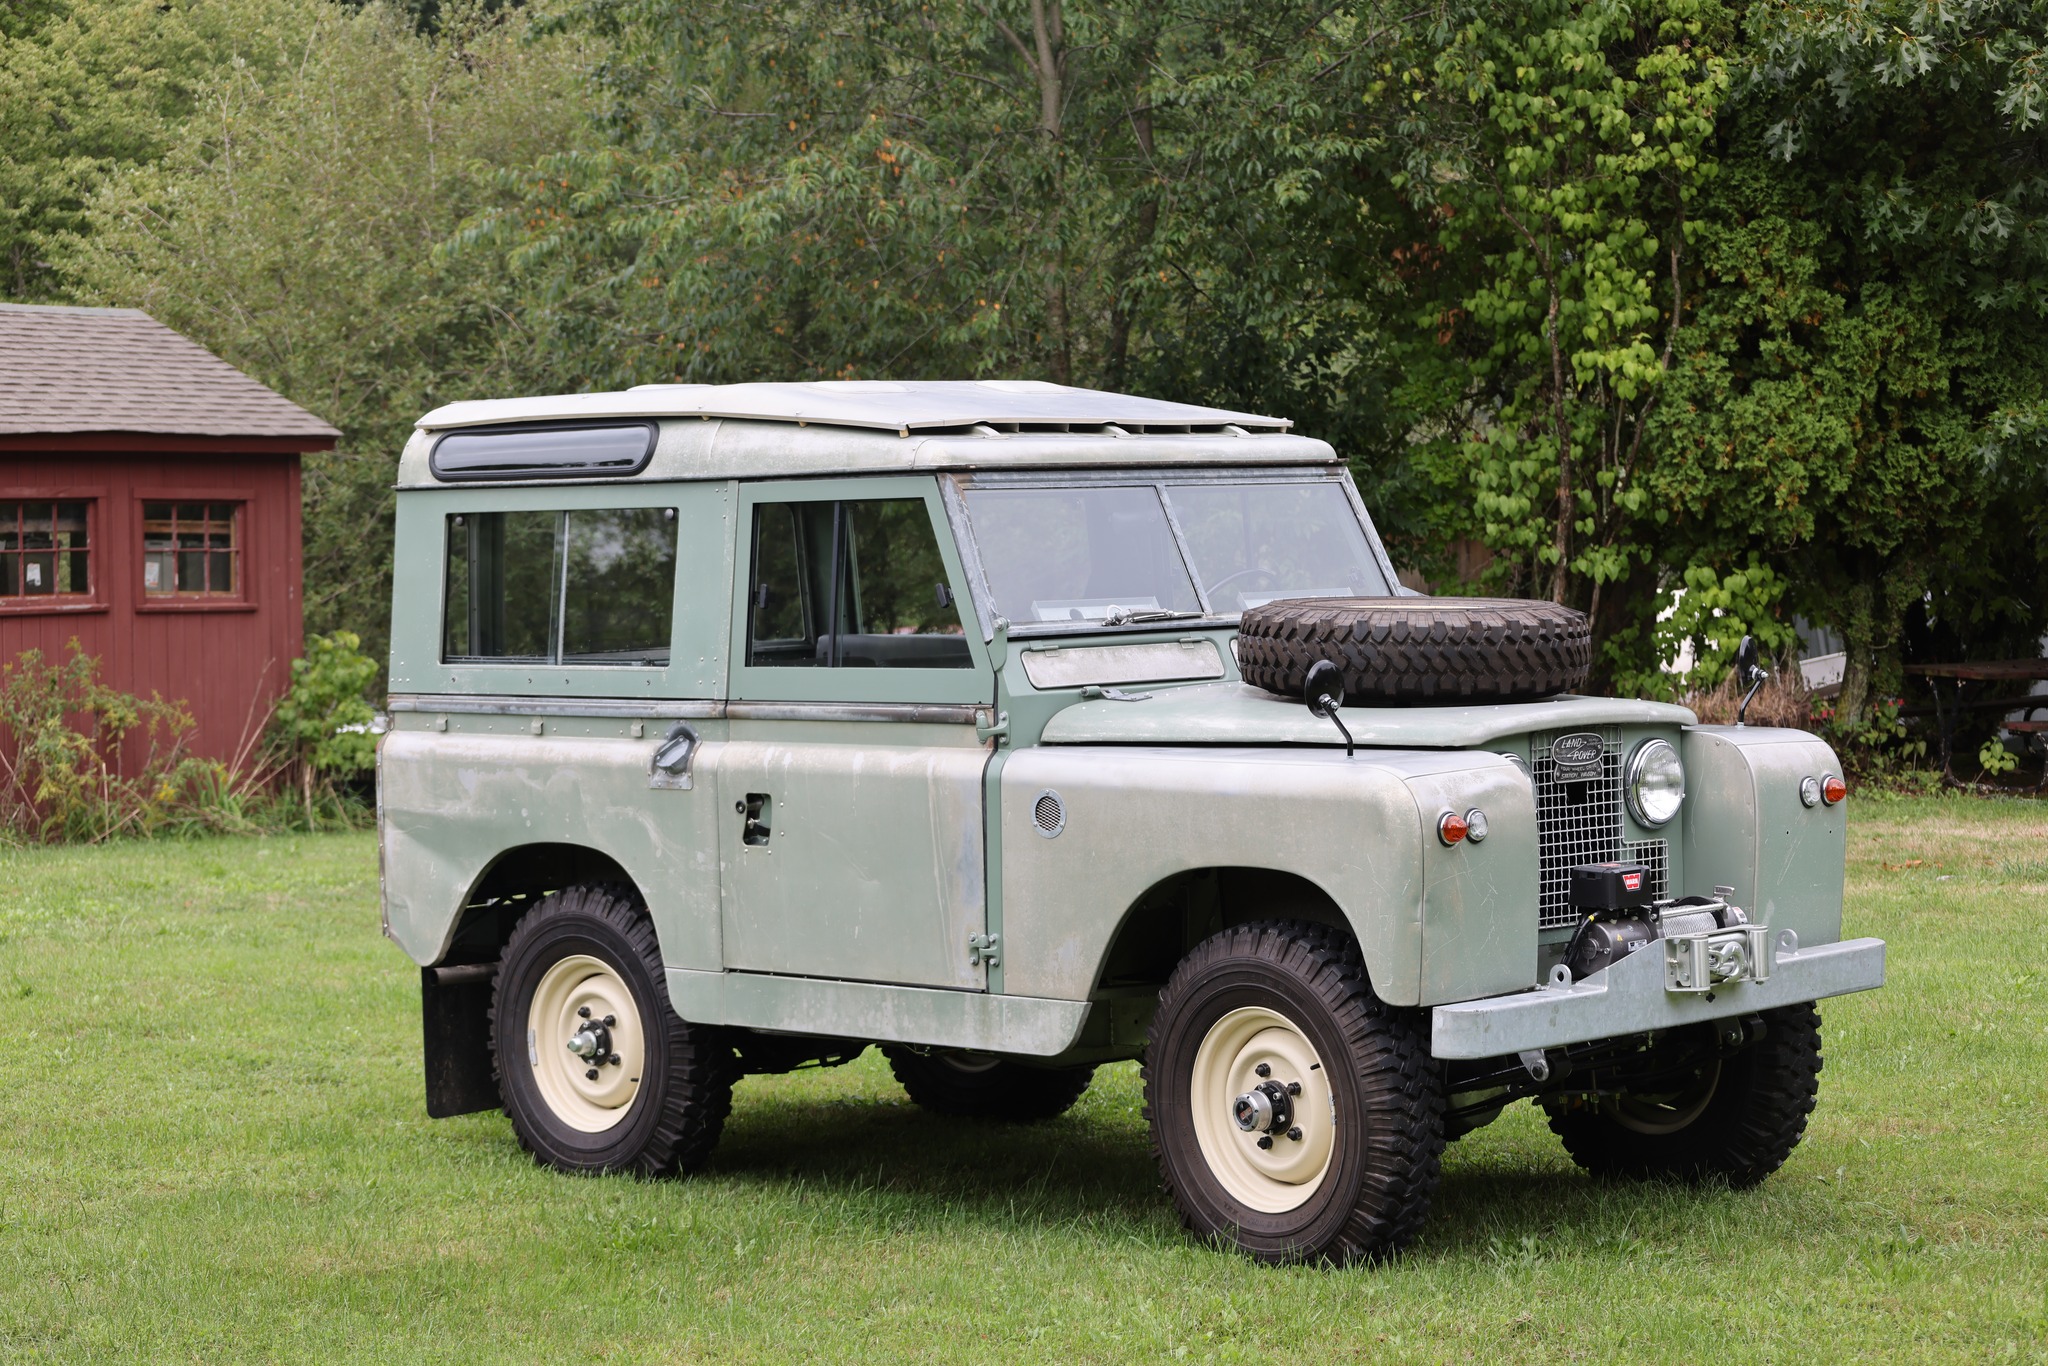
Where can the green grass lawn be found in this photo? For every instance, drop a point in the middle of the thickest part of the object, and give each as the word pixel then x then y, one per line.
pixel 212 1145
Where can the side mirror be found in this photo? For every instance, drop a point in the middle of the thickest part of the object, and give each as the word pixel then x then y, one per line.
pixel 1324 688
pixel 1749 674
pixel 1747 669
pixel 1323 691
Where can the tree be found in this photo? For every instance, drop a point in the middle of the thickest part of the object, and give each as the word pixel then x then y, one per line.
pixel 92 88
pixel 1554 154
pixel 292 230
pixel 1862 391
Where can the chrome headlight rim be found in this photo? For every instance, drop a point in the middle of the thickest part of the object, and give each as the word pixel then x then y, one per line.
pixel 1632 776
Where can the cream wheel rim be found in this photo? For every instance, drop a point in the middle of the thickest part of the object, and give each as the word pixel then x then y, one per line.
pixel 1283 1175
pixel 573 1001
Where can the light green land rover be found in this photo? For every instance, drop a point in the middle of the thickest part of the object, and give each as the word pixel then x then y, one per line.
pixel 1018 728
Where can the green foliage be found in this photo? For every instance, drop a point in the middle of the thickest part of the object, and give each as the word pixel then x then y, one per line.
pixel 292 231
pixel 321 727
pixel 91 89
pixel 1711 612
pixel 1614 300
pixel 1558 149
pixel 323 719
pixel 82 762
pixel 1995 758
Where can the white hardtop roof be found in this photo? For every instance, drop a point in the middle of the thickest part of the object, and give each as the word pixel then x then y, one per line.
pixel 884 405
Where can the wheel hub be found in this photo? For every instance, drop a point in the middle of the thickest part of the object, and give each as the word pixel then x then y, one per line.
pixel 584 1043
pixel 1262 1108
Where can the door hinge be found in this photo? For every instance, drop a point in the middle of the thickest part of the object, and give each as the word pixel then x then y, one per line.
pixel 999 731
pixel 984 950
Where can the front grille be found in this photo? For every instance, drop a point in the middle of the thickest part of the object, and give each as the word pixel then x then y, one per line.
pixel 1579 821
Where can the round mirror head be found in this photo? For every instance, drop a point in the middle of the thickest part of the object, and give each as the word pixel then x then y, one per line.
pixel 1323 690
pixel 1746 656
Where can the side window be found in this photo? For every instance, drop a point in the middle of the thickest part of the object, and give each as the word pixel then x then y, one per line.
pixel 851 585
pixel 191 549
pixel 588 586
pixel 45 551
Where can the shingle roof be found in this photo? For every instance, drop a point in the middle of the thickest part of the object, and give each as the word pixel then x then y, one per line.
pixel 120 370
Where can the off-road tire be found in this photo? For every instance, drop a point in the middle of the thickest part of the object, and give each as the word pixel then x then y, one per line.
pixel 685 1091
pixel 971 1087
pixel 1418 650
pixel 1385 1095
pixel 1750 1125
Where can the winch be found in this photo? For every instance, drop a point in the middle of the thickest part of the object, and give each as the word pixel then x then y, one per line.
pixel 1707 940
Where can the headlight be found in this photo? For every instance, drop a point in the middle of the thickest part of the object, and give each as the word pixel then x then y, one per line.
pixel 1655 781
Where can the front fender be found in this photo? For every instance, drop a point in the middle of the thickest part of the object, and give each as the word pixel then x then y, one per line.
pixel 1434 923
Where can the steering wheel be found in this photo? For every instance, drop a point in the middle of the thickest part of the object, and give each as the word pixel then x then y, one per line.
pixel 1240 574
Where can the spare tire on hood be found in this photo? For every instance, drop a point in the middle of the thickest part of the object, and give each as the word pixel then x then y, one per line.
pixel 1443 650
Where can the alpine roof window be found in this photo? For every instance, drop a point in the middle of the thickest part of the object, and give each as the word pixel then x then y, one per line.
pixel 588 586
pixel 543 451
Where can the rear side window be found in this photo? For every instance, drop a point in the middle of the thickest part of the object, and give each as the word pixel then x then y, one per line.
pixel 588 586
pixel 543 452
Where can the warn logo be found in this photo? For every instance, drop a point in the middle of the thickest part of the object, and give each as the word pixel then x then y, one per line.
pixel 1632 882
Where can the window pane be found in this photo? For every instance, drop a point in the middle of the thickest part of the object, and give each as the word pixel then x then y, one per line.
pixel 620 595
pixel 507 563
pixel 789 587
pixel 1253 543
pixel 896 610
pixel 1071 554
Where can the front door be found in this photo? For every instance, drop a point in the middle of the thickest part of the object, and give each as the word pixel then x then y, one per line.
pixel 851 782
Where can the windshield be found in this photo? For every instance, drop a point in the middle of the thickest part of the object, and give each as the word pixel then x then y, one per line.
pixel 1097 553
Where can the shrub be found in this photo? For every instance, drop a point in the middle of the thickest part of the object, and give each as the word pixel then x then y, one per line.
pixel 321 727
pixel 69 770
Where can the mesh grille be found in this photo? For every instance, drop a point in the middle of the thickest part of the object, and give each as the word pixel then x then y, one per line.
pixel 1048 814
pixel 1579 821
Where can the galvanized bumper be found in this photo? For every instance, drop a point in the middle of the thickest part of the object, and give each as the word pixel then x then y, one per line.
pixel 1631 997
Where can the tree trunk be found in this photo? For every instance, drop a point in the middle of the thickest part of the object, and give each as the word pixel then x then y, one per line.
pixel 1858 627
pixel 1048 35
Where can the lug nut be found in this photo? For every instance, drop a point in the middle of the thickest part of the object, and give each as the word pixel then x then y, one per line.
pixel 612 1061
pixel 582 1012
pixel 1293 1088
pixel 1264 1069
pixel 610 1020
pixel 1265 1140
pixel 1295 1133
pixel 591 1075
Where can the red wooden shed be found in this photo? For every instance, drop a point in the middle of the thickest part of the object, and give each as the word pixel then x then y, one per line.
pixel 149 509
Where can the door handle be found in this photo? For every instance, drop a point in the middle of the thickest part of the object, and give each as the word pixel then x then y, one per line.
pixel 670 766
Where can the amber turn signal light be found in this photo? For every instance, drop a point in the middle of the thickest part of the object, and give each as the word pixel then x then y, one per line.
pixel 1833 789
pixel 1451 827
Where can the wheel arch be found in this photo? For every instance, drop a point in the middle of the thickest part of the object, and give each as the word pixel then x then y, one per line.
pixel 455 990
pixel 1180 910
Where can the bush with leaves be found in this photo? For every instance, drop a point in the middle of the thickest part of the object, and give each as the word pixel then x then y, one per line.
pixel 70 770
pixel 321 727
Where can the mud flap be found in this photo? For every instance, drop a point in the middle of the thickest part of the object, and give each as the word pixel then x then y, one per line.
pixel 455 1029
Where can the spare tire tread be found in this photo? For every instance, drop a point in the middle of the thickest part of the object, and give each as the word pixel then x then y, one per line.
pixel 1418 650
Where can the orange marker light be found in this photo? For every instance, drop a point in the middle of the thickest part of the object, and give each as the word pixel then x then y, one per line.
pixel 1451 827
pixel 1833 789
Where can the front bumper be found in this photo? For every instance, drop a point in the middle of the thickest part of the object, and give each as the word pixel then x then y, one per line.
pixel 1631 997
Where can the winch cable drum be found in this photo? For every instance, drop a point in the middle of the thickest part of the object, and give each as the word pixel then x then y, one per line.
pixel 1418 650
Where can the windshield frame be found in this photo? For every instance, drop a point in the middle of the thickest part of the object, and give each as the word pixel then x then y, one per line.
pixel 954 487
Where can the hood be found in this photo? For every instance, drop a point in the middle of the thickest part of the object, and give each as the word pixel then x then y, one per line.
pixel 1239 714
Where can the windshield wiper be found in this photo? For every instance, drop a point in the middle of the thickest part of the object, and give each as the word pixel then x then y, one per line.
pixel 1125 616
